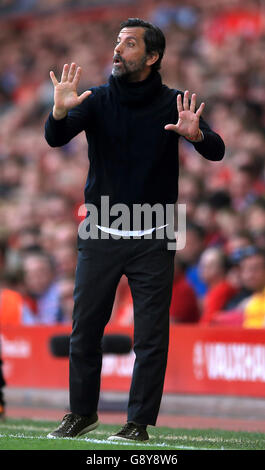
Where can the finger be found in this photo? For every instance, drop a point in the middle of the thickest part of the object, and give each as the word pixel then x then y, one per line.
pixel 179 103
pixel 71 73
pixel 84 95
pixel 170 127
pixel 186 101
pixel 53 78
pixel 200 109
pixel 77 76
pixel 193 103
pixel 65 73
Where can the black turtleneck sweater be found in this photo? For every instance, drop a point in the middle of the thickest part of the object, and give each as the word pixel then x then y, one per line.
pixel 133 159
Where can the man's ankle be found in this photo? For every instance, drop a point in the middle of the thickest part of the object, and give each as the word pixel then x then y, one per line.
pixel 144 426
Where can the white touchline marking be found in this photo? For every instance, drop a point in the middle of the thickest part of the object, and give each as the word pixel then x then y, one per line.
pixel 105 441
pixel 182 437
pixel 209 439
pixel 152 436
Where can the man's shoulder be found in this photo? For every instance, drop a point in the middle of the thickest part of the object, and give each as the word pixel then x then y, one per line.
pixel 169 95
pixel 173 92
pixel 95 99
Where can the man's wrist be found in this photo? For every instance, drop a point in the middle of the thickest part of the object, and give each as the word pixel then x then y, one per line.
pixel 58 115
pixel 197 138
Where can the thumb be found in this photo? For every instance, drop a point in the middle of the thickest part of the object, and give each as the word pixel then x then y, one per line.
pixel 170 127
pixel 84 95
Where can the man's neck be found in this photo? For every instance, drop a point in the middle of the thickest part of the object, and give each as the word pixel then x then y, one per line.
pixel 138 76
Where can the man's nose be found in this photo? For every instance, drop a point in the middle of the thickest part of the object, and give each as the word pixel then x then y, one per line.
pixel 118 49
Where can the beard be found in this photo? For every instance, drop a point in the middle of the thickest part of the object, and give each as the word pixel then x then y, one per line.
pixel 128 70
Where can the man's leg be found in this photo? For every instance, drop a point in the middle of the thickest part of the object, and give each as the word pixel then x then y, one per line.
pixel 97 276
pixel 150 274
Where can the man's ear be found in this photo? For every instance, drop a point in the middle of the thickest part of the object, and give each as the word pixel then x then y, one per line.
pixel 152 58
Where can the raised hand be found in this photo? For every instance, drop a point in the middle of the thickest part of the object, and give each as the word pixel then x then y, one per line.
pixel 65 91
pixel 188 121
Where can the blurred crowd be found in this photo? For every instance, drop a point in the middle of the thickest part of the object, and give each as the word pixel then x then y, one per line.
pixel 214 48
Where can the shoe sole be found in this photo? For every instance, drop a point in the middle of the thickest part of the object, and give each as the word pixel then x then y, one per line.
pixel 89 428
pixel 118 438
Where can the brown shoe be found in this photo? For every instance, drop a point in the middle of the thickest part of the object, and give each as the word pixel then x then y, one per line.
pixel 73 425
pixel 132 432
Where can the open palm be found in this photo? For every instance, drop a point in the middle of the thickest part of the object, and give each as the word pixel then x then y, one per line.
pixel 188 119
pixel 65 91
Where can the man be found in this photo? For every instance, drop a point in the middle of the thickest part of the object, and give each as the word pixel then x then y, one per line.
pixel 41 302
pixel 253 273
pixel 215 271
pixel 133 153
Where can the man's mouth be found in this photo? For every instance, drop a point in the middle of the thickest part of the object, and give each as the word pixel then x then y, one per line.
pixel 117 60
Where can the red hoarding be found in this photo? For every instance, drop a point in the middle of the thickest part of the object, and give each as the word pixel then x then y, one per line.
pixel 211 360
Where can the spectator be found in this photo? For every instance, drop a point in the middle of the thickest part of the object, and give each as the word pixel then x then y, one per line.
pixel 206 215
pixel 214 268
pixel 242 188
pixel 11 298
pixel 184 306
pixel 255 217
pixel 246 276
pixel 65 260
pixel 28 238
pixel 41 296
pixel 229 223
pixel 65 233
pixel 190 190
pixel 253 275
pixel 11 307
pixel 237 241
pixel 247 308
pixel 66 288
pixel 190 255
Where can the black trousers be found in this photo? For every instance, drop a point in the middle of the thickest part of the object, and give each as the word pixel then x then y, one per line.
pixel 149 267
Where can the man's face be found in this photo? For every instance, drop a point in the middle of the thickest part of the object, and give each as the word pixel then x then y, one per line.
pixel 210 265
pixel 130 57
pixel 38 274
pixel 252 270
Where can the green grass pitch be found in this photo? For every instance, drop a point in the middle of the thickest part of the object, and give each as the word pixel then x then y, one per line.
pixel 25 434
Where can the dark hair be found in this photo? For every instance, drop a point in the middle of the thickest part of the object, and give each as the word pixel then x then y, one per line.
pixel 246 252
pixel 40 253
pixel 153 37
pixel 196 228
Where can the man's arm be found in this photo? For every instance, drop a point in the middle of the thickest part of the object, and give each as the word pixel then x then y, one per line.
pixel 193 127
pixel 59 132
pixel 212 145
pixel 70 111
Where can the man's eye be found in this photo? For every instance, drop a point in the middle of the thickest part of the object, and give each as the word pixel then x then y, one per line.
pixel 131 44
